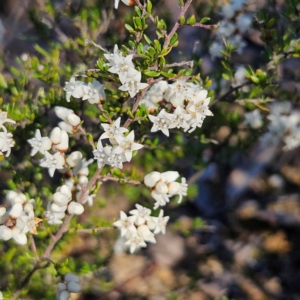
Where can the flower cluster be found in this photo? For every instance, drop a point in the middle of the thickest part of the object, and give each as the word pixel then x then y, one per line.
pixel 140 227
pixel 6 141
pixel 284 125
pixel 121 147
pixel 69 285
pixel 232 27
pixel 128 75
pixel 186 102
pixel 17 218
pixel 93 92
pixel 62 202
pixel 163 186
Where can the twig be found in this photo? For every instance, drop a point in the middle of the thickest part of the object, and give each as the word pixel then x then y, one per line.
pixel 108 177
pixel 223 97
pixel 179 64
pixel 82 130
pixel 88 41
pixel 90 230
pixel 33 247
pixel 184 8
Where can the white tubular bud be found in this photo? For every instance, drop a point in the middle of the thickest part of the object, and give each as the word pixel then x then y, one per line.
pixel 83 180
pixel 61 199
pixel 73 287
pixel 63 295
pixel 62 112
pixel 61 286
pixel 64 189
pixel 145 233
pixel 73 120
pixel 151 223
pixel 74 158
pixel 169 176
pixel 75 208
pixel 5 233
pixel 64 144
pixel 16 211
pixel 28 207
pixel 152 178
pixel 20 198
pixel 71 277
pixel 58 208
pixel 2 211
pixel 55 135
pixel 161 188
pixel 174 188
pixel 10 196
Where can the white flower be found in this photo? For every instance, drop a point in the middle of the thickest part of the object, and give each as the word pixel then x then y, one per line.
pixel 39 143
pixel 89 199
pixel 112 130
pixel 169 176
pixel 54 218
pixel 74 88
pixel 160 223
pixel 125 224
pixel 64 143
pixel 127 145
pixel 6 142
pixel 160 122
pixel 1 296
pixel 81 168
pixel 161 199
pixel 53 162
pixel 133 84
pixel 4 119
pixel 141 214
pixel 180 119
pixel 135 242
pixel 94 92
pixel 5 233
pixel 70 119
pixel 254 119
pixel 145 233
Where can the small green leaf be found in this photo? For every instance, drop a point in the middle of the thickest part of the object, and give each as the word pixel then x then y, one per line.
pixel 149 7
pixel 181 20
pixel 204 20
pixel 129 28
pixel 151 73
pixel 191 20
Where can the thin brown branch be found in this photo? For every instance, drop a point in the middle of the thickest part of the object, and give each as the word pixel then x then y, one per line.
pixel 184 9
pixel 82 130
pixel 90 230
pixel 33 247
pixel 88 41
pixel 206 26
pixel 180 64
pixel 108 177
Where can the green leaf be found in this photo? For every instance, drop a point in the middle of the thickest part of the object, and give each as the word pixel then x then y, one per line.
pixel 181 20
pixel 149 7
pixel 151 73
pixel 226 76
pixel 204 20
pixel 149 42
pixel 191 20
pixel 3 82
pixel 129 28
pixel 168 75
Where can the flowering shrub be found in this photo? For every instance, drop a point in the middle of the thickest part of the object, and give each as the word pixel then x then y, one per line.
pixel 129 120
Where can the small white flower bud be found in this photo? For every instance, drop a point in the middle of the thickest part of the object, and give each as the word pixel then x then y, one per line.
pixel 161 188
pixel 62 112
pixel 64 189
pixel 55 135
pixel 152 178
pixel 83 180
pixel 174 188
pixel 20 198
pixel 169 176
pixel 71 277
pixel 58 208
pixel 63 295
pixel 61 199
pixel 28 207
pixel 16 210
pixel 5 233
pixel 61 286
pixel 10 196
pixel 64 144
pixel 151 223
pixel 2 211
pixel 145 233
pixel 73 287
pixel 74 158
pixel 75 208
pixel 73 119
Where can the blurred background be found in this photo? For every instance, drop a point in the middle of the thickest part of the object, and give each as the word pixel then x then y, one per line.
pixel 235 236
